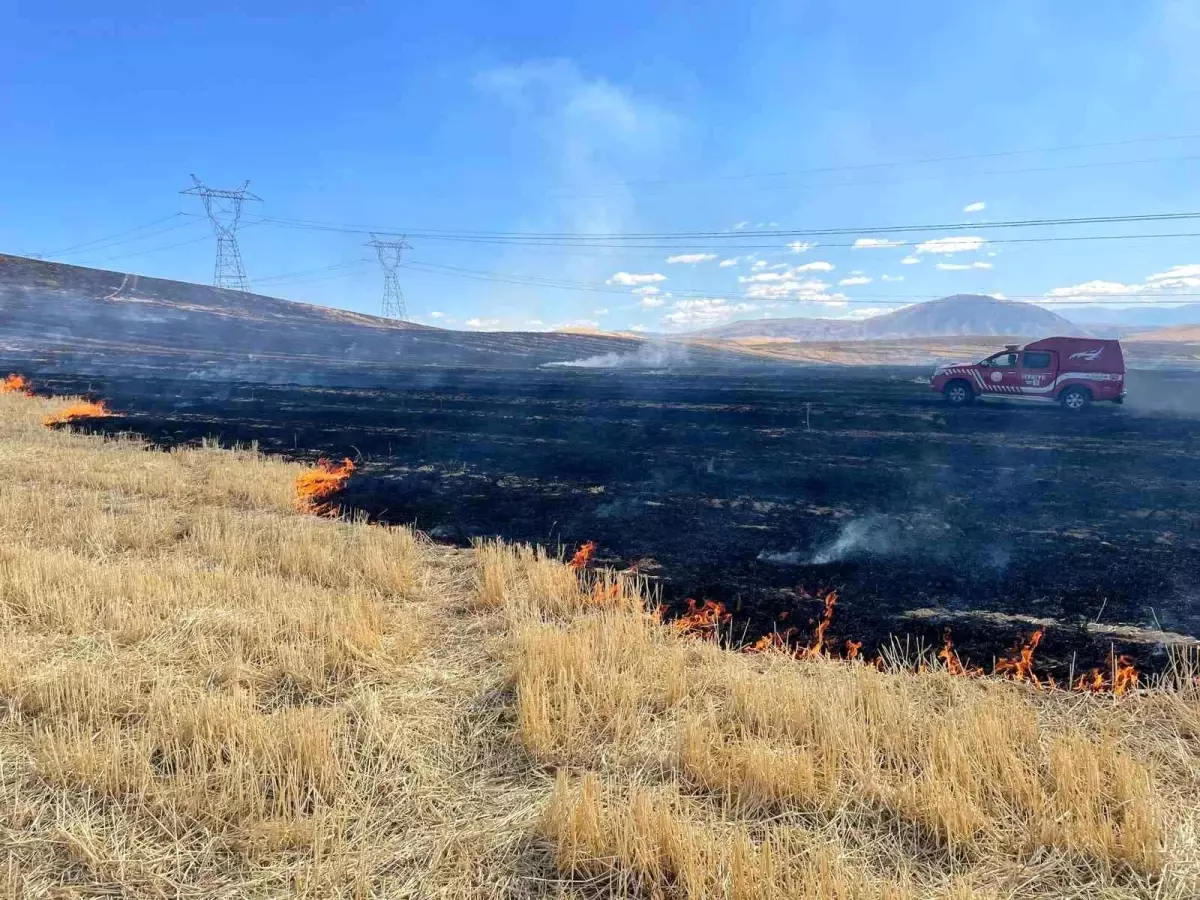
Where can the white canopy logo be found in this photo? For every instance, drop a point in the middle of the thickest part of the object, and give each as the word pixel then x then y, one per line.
pixel 1088 355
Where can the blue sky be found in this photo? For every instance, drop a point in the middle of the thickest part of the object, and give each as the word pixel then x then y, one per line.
pixel 612 118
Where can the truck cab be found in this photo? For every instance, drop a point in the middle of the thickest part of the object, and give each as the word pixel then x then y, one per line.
pixel 1074 372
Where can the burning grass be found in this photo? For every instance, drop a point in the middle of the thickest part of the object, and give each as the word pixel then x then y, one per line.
pixel 77 412
pixel 16 384
pixel 203 693
pixel 315 487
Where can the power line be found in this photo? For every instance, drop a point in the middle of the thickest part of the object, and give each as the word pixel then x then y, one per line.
pixel 106 239
pixel 137 239
pixel 566 250
pixel 152 250
pixel 563 284
pixel 287 276
pixel 590 239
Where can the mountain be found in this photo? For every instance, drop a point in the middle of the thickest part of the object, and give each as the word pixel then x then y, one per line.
pixel 56 317
pixel 960 314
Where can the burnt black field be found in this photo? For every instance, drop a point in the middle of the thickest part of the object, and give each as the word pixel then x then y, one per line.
pixel 764 488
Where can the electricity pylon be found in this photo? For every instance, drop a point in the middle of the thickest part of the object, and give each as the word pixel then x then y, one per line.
pixel 224 209
pixel 390 253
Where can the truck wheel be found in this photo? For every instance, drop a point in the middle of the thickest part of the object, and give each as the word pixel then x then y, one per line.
pixel 1075 399
pixel 958 393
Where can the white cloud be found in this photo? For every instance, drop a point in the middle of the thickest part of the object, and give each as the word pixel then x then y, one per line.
pixel 786 273
pixel 582 323
pixel 650 302
pixel 960 267
pixel 1095 289
pixel 740 225
pixel 811 290
pixel 977 206
pixel 1176 277
pixel 645 289
pixel 910 260
pixel 535 322
pixel 482 323
pixel 732 261
pixel 630 279
pixel 893 277
pixel 705 312
pixel 957 244
pixel 870 243
pixel 800 246
pixel 759 264
pixel 999 296
pixel 867 312
pixel 600 312
pixel 1173 279
pixel 854 280
pixel 691 257
pixel 437 315
pixel 638 328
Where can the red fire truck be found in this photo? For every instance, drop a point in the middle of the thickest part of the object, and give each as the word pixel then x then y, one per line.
pixel 1072 371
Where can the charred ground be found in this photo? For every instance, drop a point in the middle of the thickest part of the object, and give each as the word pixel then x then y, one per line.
pixel 762 489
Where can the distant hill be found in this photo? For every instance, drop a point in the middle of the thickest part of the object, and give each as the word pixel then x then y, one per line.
pixel 56 317
pixel 796 329
pixel 958 315
pixel 1140 318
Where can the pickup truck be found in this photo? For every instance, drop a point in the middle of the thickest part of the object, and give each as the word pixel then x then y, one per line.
pixel 1074 372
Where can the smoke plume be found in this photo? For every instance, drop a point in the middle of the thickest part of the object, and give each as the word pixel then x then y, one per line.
pixel 648 356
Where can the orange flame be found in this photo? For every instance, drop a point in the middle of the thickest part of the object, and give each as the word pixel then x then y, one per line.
pixel 703 621
pixel 582 555
pixel 776 640
pixel 16 384
pixel 1018 666
pixel 77 412
pixel 1125 675
pixel 314 487
pixel 1094 682
pixel 604 597
pixel 949 657
pixel 817 647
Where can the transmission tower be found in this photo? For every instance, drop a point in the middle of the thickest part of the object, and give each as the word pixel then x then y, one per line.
pixel 224 209
pixel 390 253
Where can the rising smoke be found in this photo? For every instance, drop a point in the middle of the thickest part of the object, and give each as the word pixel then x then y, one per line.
pixel 870 536
pixel 648 356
